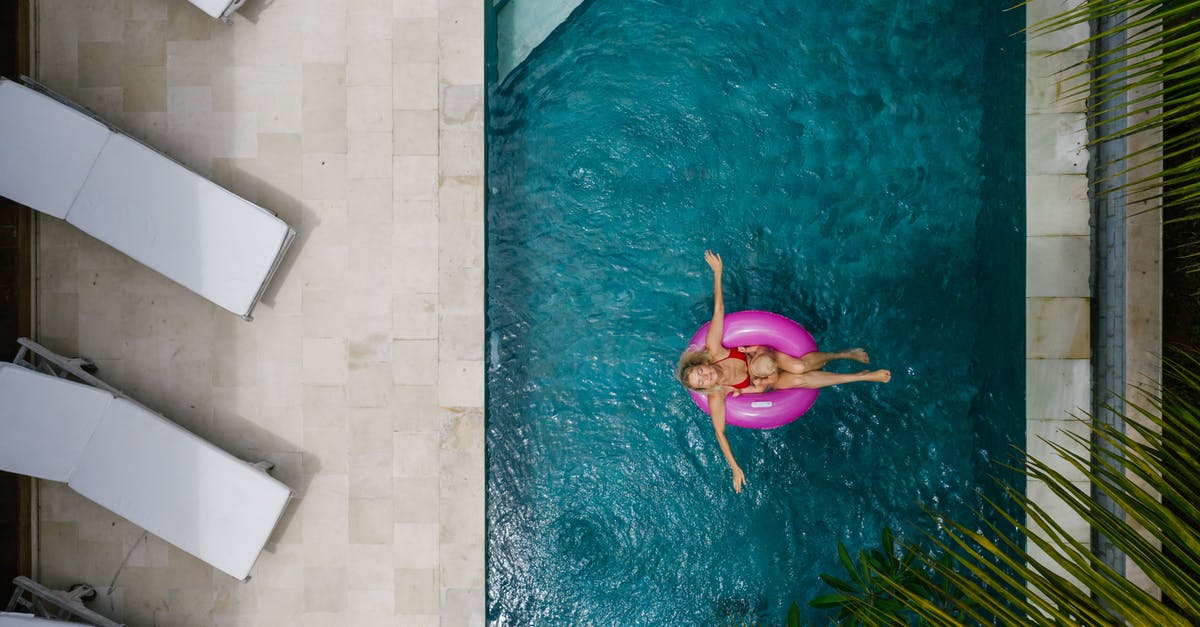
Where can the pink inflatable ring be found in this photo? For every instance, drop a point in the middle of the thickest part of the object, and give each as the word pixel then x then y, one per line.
pixel 770 409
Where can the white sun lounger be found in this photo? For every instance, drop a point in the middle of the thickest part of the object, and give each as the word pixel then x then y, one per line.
pixel 219 9
pixel 64 162
pixel 127 458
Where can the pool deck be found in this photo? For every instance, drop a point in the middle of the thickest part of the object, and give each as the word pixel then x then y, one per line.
pixel 361 123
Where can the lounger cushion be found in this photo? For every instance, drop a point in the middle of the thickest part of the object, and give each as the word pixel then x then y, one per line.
pixel 45 422
pixel 181 224
pixel 48 149
pixel 180 487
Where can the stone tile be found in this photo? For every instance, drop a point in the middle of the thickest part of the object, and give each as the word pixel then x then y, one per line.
pixel 369 568
pixel 1057 328
pixel 145 43
pixel 1052 82
pixel 233 89
pixel 460 200
pixel 417 409
pixel 1057 204
pixel 369 483
pixel 370 338
pixel 370 521
pixel 415 132
pixel 463 607
pixel 462 105
pixel 324 361
pixel 100 64
pixel 462 565
pixel 415 455
pixel 370 439
pixel 461 289
pixel 415 316
pixel 369 156
pixel 106 102
pixel 415 177
pixel 373 603
pixel 1058 266
pixel 369 108
pixel 1057 388
pixel 324 590
pixel 1040 433
pixel 324 32
pixel 417 591
pixel 369 62
pixel 277 106
pixel 1056 143
pixel 235 135
pixel 461 335
pixel 369 202
pixel 324 312
pixel 412 362
pixel 370 386
pixel 185 23
pixel 415 545
pixel 1038 12
pixel 189 111
pixel 415 40
pixel 414 85
pixel 458 62
pixel 415 500
pixel 189 63
pixel 145 88
pixel 325 131
pixel 461 21
pixel 324 176
pixel 1039 493
pixel 234 44
pixel 102 20
pixel 415 8
pixel 324 86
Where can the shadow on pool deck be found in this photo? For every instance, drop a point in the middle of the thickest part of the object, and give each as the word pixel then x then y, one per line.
pixel 14 309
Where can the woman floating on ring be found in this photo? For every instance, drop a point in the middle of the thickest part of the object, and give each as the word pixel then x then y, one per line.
pixel 717 371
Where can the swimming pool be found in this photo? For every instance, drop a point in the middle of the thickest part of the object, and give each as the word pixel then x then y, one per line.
pixel 860 170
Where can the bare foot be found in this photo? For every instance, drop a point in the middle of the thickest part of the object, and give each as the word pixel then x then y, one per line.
pixel 857 354
pixel 878 376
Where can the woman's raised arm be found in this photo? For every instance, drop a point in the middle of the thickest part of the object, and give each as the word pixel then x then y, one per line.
pixel 716 406
pixel 716 330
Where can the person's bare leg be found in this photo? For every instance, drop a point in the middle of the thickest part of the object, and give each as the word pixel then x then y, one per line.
pixel 817 360
pixel 817 379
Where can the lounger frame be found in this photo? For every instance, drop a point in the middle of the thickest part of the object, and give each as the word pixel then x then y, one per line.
pixel 34 356
pixel 289 237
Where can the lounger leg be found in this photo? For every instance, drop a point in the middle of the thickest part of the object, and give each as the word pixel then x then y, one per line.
pixel 84 364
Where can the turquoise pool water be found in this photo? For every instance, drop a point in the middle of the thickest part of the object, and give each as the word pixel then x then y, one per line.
pixel 859 167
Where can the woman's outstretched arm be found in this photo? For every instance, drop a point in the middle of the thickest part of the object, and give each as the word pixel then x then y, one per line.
pixel 716 406
pixel 716 330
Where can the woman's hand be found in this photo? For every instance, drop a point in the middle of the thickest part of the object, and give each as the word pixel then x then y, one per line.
pixel 739 479
pixel 714 261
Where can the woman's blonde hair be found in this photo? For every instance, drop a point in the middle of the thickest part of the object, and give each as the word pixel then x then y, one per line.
pixel 688 362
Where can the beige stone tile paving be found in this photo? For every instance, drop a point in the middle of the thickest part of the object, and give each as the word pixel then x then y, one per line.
pixel 360 122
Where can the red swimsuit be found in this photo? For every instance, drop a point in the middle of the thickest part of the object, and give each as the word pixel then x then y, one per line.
pixel 733 352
